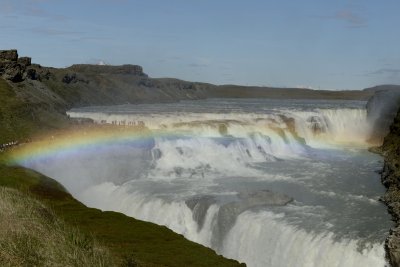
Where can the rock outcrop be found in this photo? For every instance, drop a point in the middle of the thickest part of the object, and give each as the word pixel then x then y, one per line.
pixel 13 68
pixel 391 180
pixel 8 55
pixel 86 85
pixel 108 69
pixel 26 61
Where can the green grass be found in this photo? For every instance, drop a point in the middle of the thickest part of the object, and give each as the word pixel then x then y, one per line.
pixel 21 119
pixel 31 235
pixel 128 240
pixel 15 123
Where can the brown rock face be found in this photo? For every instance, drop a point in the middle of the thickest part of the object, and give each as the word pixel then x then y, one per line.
pixel 9 55
pixel 391 180
pixel 26 61
pixel 13 72
pixel 13 68
pixel 107 69
pixel 31 74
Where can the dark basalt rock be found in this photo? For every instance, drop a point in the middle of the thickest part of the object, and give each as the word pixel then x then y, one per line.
pixel 11 71
pixel 31 74
pixel 392 247
pixel 391 180
pixel 26 61
pixel 9 55
pixel 13 68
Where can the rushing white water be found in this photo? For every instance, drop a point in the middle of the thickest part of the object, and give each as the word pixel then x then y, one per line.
pixel 270 183
pixel 263 239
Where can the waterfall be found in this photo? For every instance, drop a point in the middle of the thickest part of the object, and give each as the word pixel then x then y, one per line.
pixel 280 186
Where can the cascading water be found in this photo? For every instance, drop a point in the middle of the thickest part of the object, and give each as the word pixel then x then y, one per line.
pixel 266 182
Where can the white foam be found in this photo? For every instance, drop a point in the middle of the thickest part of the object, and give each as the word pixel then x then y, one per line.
pixel 209 146
pixel 264 239
pixel 259 239
pixel 319 128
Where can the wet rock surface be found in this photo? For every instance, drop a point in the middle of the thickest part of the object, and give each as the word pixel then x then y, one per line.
pixel 391 180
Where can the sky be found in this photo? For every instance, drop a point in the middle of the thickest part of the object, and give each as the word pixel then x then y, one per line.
pixel 320 44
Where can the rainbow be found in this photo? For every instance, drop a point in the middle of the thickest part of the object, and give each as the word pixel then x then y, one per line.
pixel 101 138
pixel 77 141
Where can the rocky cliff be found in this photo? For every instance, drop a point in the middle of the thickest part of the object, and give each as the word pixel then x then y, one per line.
pixel 35 98
pixel 13 68
pixel 391 180
pixel 85 85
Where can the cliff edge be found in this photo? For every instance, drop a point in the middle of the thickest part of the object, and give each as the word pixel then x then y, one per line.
pixel 391 180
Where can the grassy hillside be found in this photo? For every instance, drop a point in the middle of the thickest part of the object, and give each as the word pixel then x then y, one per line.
pixel 32 235
pixel 127 240
pixel 16 118
pixel 21 117
pixel 86 85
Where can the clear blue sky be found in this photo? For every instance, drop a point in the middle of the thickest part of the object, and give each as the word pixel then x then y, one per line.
pixel 327 44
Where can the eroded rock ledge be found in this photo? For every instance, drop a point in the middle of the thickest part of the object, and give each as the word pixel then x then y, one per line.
pixel 13 68
pixel 391 180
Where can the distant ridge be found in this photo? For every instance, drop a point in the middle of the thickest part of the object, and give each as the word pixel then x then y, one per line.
pixel 109 69
pixel 383 87
pixel 86 85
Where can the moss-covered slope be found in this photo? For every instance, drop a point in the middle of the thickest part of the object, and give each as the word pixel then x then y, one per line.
pixel 22 115
pixel 31 235
pixel 127 239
